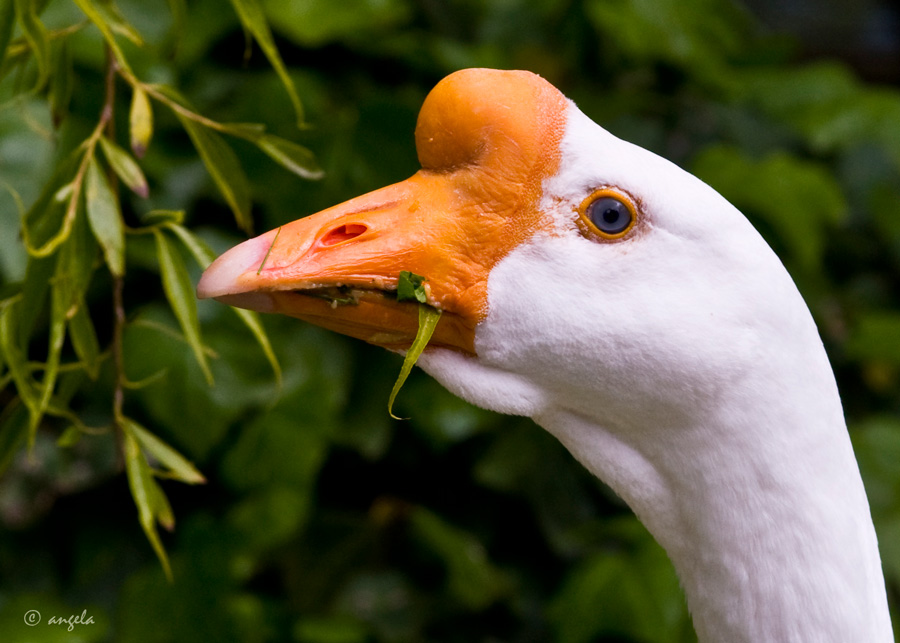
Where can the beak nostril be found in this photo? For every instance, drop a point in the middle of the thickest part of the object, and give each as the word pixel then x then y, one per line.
pixel 343 233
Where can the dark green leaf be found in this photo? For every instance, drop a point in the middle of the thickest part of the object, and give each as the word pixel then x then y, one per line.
pixel 254 21
pixel 13 429
pixel 105 218
pixel 125 167
pixel 472 578
pixel 77 259
pixel 293 157
pixel 36 35
pixel 7 22
pixel 84 340
pixel 58 310
pixel 70 437
pixel 15 360
pixel 180 293
pixel 61 80
pixel 34 293
pixel 225 169
pixel 178 8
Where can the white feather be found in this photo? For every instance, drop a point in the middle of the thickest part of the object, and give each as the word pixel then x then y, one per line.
pixel 682 367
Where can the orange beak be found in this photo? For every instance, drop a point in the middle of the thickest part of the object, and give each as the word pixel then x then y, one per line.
pixel 486 140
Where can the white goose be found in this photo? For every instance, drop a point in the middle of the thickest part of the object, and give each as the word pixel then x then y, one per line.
pixel 631 311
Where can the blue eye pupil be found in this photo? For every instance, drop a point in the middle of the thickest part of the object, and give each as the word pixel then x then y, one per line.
pixel 610 215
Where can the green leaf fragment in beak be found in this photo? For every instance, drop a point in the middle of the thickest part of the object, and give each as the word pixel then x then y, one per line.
pixel 269 251
pixel 428 319
pixel 411 287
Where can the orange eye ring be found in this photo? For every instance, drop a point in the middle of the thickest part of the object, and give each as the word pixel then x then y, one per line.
pixel 608 214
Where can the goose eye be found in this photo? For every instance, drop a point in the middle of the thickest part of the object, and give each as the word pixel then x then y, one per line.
pixel 608 214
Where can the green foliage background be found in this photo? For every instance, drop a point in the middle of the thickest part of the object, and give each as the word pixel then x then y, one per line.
pixel 322 520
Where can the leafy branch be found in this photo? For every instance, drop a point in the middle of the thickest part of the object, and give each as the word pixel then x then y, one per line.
pixel 77 223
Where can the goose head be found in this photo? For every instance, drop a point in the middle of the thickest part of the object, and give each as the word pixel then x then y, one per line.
pixel 630 310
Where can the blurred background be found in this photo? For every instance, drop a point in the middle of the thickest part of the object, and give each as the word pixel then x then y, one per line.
pixel 323 520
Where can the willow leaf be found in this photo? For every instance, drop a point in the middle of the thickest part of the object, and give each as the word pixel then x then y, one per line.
pixel 204 256
pixel 84 340
pixel 140 122
pixel 16 361
pixel 291 156
pixel 180 293
pixel 99 18
pixel 201 252
pixel 54 350
pixel 7 22
pixel 61 80
pixel 224 167
pixel 105 218
pixel 36 36
pixel 145 492
pixel 254 20
pixel 428 319
pixel 179 466
pixel 125 167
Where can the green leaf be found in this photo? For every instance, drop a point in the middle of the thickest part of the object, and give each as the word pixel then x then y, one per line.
pixel 7 22
pixel 174 462
pixel 15 360
pixel 36 36
pixel 254 20
pixel 105 218
pixel 178 9
pixel 205 256
pixel 50 216
pixel 58 310
pixel 145 492
pixel 314 23
pixel 140 122
pixel 70 437
pixel 251 321
pixel 163 217
pixel 101 20
pixel 471 577
pixel 223 166
pixel 180 293
pixel 125 167
pixel 411 287
pixel 61 80
pixel 117 22
pixel 428 319
pixel 79 254
pixel 13 429
pixel 291 156
pixel 202 253
pixel 38 273
pixel 84 340
pixel 633 583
